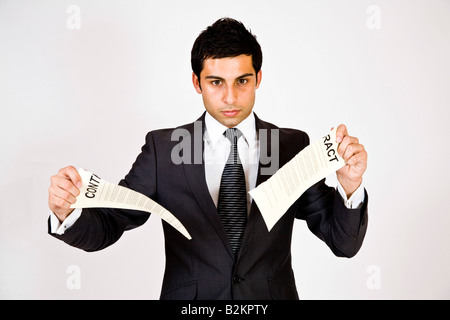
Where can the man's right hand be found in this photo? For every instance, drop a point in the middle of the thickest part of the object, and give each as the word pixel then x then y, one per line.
pixel 64 187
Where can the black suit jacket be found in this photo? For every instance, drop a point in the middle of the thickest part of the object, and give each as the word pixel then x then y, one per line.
pixel 205 267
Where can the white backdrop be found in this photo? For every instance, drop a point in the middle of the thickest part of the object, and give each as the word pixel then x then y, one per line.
pixel 82 82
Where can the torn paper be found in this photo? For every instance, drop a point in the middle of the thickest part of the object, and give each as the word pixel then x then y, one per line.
pixel 98 193
pixel 309 166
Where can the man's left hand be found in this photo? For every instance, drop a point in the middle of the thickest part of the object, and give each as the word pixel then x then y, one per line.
pixel 355 157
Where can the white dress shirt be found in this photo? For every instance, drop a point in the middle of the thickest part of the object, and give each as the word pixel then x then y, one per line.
pixel 216 152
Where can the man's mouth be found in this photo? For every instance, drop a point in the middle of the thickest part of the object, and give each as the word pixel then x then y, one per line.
pixel 230 113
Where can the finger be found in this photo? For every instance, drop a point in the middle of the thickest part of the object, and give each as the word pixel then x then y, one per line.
pixel 352 150
pixel 346 141
pixel 341 132
pixel 72 173
pixel 64 183
pixel 359 158
pixel 63 194
pixel 56 204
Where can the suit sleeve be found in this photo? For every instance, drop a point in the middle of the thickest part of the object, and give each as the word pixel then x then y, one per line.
pixel 326 215
pixel 98 228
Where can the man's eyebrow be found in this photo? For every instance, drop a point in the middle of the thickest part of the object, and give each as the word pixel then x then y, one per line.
pixel 214 77
pixel 220 78
pixel 245 75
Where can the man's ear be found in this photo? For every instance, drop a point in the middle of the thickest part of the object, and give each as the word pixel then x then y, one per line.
pixel 196 83
pixel 258 78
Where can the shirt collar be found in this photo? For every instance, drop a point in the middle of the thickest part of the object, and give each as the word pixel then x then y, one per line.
pixel 215 129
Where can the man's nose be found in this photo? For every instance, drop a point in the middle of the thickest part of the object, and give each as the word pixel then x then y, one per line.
pixel 230 95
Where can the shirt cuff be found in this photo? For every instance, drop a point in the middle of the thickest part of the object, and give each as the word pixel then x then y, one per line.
pixel 59 228
pixel 357 198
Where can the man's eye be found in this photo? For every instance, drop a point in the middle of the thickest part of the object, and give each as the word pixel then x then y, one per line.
pixel 216 82
pixel 242 81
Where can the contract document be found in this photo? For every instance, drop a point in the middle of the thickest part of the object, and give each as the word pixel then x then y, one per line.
pixel 309 166
pixel 98 193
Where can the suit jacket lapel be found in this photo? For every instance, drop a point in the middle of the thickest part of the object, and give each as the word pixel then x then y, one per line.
pixel 255 216
pixel 195 175
pixel 261 125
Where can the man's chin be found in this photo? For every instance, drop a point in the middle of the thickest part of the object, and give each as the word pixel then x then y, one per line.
pixel 230 122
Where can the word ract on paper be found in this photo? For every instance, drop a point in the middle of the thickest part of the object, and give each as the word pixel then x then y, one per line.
pixel 309 166
pixel 98 193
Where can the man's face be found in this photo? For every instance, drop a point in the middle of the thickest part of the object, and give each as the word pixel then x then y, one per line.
pixel 228 88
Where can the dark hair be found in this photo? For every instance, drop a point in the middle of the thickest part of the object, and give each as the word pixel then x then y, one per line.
pixel 224 39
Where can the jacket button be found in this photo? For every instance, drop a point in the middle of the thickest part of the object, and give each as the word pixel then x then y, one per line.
pixel 237 278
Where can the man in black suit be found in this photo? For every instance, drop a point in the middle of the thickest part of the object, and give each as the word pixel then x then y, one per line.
pixel 226 61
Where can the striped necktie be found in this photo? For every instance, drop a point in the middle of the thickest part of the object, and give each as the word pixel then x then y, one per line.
pixel 232 204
